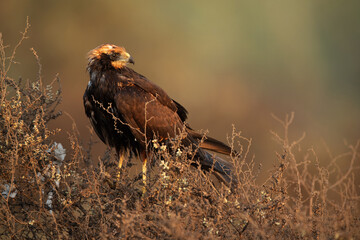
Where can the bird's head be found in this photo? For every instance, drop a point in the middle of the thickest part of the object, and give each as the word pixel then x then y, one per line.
pixel 109 55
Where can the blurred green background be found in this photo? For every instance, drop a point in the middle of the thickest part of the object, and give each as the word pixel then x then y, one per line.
pixel 228 62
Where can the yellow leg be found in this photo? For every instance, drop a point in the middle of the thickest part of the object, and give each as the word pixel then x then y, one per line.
pixel 144 171
pixel 121 160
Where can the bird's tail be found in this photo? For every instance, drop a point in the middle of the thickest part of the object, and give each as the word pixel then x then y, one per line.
pixel 222 169
pixel 209 143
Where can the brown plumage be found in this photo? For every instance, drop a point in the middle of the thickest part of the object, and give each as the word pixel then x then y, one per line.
pixel 128 111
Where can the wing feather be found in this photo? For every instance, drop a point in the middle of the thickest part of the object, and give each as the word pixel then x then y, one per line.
pixel 150 87
pixel 145 114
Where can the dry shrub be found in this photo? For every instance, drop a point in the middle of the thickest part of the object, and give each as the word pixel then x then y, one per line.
pixel 46 195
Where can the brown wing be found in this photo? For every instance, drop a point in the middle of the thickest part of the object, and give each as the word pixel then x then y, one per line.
pixel 149 87
pixel 172 106
pixel 145 114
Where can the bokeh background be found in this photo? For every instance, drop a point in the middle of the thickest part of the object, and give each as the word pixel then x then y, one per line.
pixel 228 62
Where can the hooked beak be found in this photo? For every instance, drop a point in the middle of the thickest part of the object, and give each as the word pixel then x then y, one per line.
pixel 131 60
pixel 123 59
pixel 126 57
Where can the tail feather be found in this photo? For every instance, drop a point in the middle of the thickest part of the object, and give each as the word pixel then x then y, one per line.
pixel 223 170
pixel 210 143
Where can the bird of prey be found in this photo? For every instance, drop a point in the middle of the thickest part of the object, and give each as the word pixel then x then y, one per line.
pixel 128 111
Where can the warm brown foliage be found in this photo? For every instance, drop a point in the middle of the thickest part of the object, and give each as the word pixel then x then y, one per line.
pixel 47 197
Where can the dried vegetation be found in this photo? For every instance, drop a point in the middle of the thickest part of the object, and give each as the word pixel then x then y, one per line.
pixel 47 194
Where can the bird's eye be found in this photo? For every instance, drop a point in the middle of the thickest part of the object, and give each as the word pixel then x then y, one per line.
pixel 114 55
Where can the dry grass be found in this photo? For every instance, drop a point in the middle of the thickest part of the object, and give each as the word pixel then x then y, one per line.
pixel 46 195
